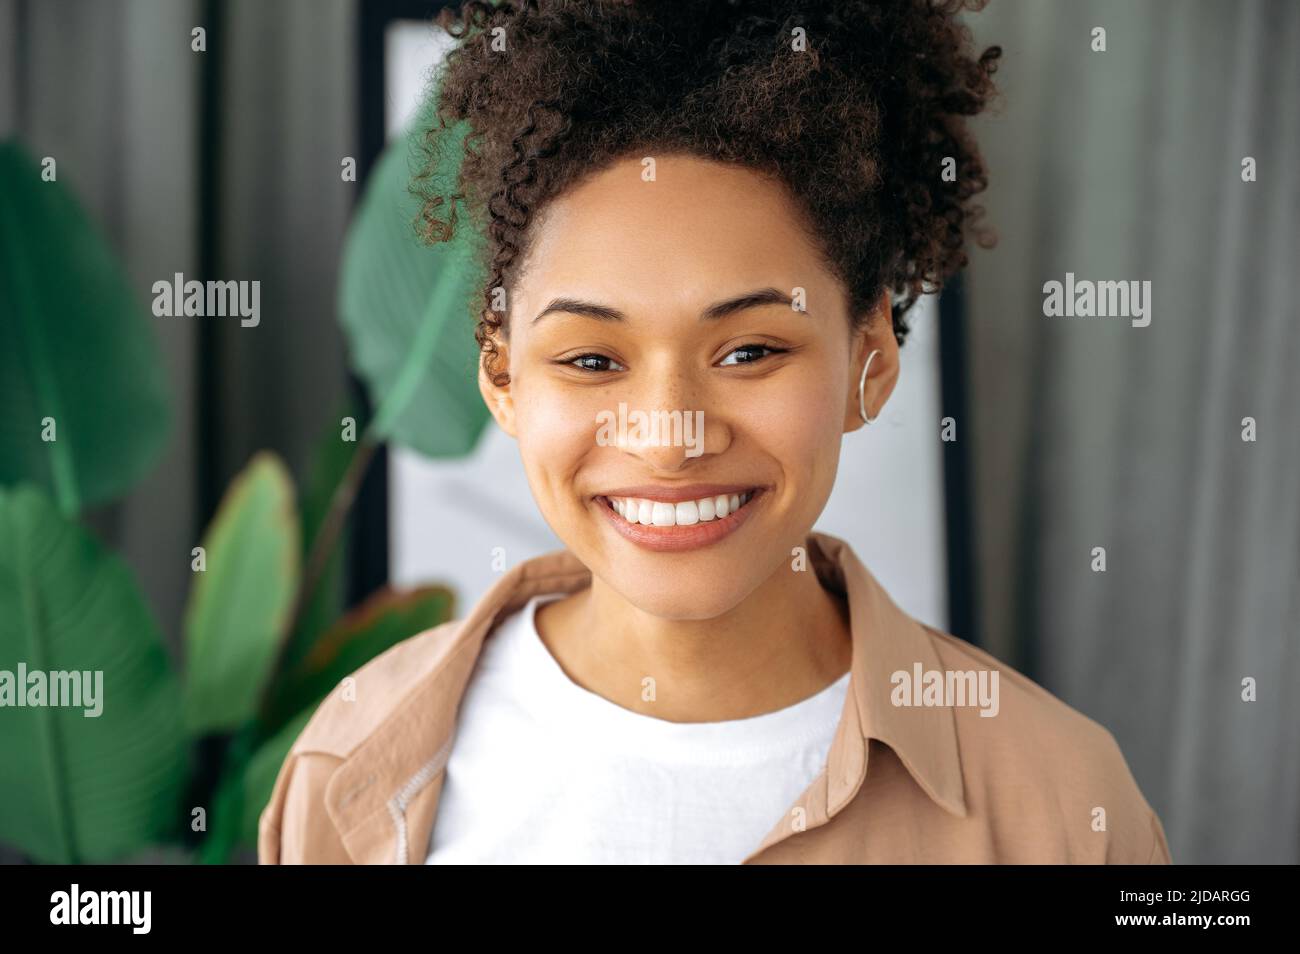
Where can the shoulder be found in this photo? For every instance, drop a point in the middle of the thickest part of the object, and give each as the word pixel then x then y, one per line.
pixel 1038 760
pixel 294 826
pixel 1023 711
pixel 362 701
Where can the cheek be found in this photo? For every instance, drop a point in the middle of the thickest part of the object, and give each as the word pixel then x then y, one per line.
pixel 556 430
pixel 801 423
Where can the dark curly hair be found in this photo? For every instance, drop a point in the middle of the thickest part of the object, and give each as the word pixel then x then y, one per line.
pixel 858 124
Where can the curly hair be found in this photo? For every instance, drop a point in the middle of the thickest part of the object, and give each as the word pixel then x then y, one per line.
pixel 863 121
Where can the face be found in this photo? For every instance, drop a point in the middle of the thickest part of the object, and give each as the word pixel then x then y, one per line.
pixel 679 421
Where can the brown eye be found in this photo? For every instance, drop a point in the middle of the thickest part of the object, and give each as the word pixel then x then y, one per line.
pixel 596 363
pixel 748 354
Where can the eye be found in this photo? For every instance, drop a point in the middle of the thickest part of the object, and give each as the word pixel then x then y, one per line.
pixel 748 354
pixel 595 363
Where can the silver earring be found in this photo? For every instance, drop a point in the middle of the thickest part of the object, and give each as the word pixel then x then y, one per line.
pixel 862 390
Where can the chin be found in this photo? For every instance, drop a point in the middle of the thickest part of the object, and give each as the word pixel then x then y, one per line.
pixel 669 587
pixel 693 584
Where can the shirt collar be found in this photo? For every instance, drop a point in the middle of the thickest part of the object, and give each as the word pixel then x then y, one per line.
pixel 886 640
pixel 369 794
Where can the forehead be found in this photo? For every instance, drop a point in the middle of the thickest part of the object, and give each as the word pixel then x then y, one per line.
pixel 698 229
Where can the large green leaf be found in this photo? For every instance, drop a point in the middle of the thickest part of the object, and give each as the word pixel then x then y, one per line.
pixel 75 346
pixel 77 788
pixel 407 311
pixel 382 621
pixel 239 607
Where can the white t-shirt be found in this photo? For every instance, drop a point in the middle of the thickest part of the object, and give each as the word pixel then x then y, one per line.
pixel 545 771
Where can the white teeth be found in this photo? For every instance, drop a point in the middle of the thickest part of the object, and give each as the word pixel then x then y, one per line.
pixel 684 514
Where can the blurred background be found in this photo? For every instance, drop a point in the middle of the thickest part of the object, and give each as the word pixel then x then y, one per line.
pixel 251 140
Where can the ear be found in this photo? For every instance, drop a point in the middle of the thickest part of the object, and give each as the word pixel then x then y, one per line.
pixel 497 397
pixel 875 334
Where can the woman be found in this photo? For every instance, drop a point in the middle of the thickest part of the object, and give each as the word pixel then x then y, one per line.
pixel 705 224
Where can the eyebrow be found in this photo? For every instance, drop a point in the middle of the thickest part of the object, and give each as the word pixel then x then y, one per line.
pixel 716 311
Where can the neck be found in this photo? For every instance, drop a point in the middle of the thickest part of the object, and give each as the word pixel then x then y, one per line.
pixel 785 642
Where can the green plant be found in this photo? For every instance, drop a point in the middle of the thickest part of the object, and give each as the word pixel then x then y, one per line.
pixel 265 638
pixel 81 380
pixel 74 788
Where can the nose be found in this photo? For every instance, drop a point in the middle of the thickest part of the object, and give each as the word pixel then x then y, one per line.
pixel 668 427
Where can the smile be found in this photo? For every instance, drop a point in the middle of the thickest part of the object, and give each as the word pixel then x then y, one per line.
pixel 683 514
pixel 679 519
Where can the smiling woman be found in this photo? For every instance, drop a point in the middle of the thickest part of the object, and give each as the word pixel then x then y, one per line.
pixel 721 211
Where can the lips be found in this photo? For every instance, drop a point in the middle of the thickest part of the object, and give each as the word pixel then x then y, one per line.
pixel 678 518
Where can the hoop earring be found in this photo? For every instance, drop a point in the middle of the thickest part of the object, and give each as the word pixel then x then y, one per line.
pixel 862 386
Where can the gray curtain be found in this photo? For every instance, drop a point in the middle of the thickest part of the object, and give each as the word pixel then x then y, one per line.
pixel 1126 164
pixel 288 117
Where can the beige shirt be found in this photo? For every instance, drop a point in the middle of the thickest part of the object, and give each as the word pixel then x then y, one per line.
pixel 917 772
